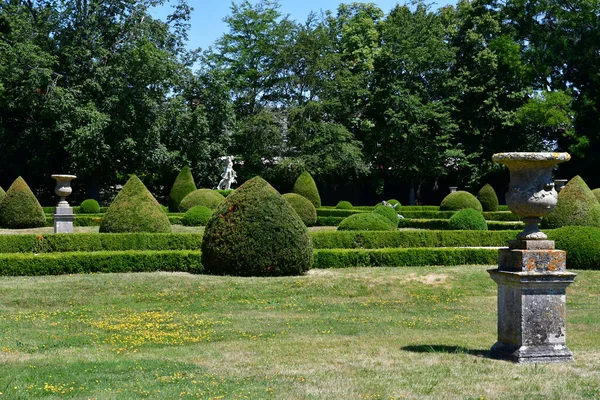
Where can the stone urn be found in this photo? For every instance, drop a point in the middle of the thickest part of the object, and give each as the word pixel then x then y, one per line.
pixel 453 188
pixel 531 193
pixel 63 188
pixel 559 184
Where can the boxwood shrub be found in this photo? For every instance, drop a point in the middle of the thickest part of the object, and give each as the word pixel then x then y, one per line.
pixel 468 219
pixel 305 186
pixel 89 206
pixel 366 222
pixel 303 207
pixel 201 197
pixel 196 216
pixel 458 200
pixel 576 205
pixel 488 198
pixel 344 205
pixel 20 209
pixel 387 212
pixel 184 184
pixel 582 244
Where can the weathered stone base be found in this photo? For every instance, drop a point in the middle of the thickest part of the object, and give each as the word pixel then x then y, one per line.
pixel 63 219
pixel 531 354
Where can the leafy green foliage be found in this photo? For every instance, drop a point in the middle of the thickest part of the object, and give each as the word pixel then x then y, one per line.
pixel 201 197
pixel 488 198
pixel 576 205
pixel 255 232
pixel 305 209
pixel 2 193
pixel 596 193
pixel 582 244
pixel 468 219
pixel 19 208
pixel 183 185
pixel 305 186
pixel 366 222
pixel 89 206
pixel 387 212
pixel 135 210
pixel 197 216
pixel 458 200
pixel 344 205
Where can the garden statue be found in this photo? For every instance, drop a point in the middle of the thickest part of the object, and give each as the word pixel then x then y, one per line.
pixel 228 176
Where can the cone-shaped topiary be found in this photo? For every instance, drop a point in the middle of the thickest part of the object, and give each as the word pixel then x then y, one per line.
pixel 595 191
pixel 344 205
pixel 135 210
pixel 201 197
pixel 255 232
pixel 365 222
pixel 488 199
pixel 196 216
pixel 576 205
pixel 387 212
pixel 20 209
pixel 305 186
pixel 89 206
pixel 306 211
pixel 458 200
pixel 468 219
pixel 2 193
pixel 184 185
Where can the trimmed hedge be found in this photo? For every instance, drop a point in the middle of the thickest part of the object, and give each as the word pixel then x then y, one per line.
pixel 366 222
pixel 334 212
pixel 596 193
pixel 344 258
pixel 501 216
pixel 576 205
pixel 468 219
pixel 329 221
pixel 305 186
pixel 344 205
pixel 196 216
pixel 2 193
pixel 488 198
pixel 444 224
pixel 19 208
pixel 101 261
pixel 303 207
pixel 582 244
pixel 224 192
pixel 184 184
pixel 89 206
pixel 427 214
pixel 459 200
pixel 201 197
pixel 387 212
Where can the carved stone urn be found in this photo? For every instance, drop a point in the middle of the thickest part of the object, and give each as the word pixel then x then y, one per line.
pixel 63 213
pixel 531 193
pixel 63 188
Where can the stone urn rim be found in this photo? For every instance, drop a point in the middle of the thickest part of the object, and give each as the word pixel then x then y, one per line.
pixel 539 158
pixel 63 176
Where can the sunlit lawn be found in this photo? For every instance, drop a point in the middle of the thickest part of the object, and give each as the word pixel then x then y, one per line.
pixel 359 333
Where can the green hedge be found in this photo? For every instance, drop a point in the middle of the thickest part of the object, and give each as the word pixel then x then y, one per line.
pixel 444 224
pixel 427 214
pixel 329 221
pixel 500 216
pixel 49 243
pixel 343 258
pixel 103 261
pixel 414 238
pixel 333 212
pixel 50 210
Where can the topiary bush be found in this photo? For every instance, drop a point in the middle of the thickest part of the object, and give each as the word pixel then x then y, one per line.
pixel 303 207
pixel 2 193
pixel 459 200
pixel 184 184
pixel 387 212
pixel 20 209
pixel 576 205
pixel 344 205
pixel 582 244
pixel 488 198
pixel 305 186
pixel 135 210
pixel 196 216
pixel 365 222
pixel 394 203
pixel 596 193
pixel 255 232
pixel 468 219
pixel 89 206
pixel 201 197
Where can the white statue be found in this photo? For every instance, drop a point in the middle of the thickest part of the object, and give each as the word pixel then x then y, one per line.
pixel 228 176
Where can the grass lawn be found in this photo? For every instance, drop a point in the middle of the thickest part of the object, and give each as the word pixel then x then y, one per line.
pixel 357 333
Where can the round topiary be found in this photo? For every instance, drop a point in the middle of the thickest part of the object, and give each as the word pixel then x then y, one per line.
pixel 183 185
pixel 135 210
pixel 305 186
pixel 387 212
pixel 306 211
pixel 596 193
pixel 196 216
pixel 365 222
pixel 458 200
pixel 394 203
pixel 201 197
pixel 89 206
pixel 344 205
pixel 576 205
pixel 468 220
pixel 488 199
pixel 582 244
pixel 255 232
pixel 20 209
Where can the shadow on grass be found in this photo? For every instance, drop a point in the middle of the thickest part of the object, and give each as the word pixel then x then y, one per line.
pixel 440 348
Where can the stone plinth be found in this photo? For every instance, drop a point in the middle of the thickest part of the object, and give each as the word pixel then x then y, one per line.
pixel 532 281
pixel 63 219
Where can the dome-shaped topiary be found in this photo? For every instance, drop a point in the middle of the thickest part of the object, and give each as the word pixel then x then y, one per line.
pixel 135 210
pixel 387 212
pixel 469 220
pixel 305 186
pixel 255 232
pixel 20 209
pixel 365 222
pixel 89 206
pixel 201 197
pixel 183 185
pixel 458 200
pixel 488 199
pixel 196 216
pixel 582 244
pixel 595 191
pixel 344 205
pixel 306 211
pixel 576 205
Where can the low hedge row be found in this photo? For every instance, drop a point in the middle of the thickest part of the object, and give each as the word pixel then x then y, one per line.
pixel 96 219
pixel 409 238
pixel 50 210
pixel 101 261
pixel 94 242
pixel 328 221
pixel 444 224
pixel 335 212
pixel 501 216
pixel 427 214
pixel 343 258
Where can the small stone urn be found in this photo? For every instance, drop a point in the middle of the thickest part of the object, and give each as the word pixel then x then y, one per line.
pixel 63 213
pixel 453 188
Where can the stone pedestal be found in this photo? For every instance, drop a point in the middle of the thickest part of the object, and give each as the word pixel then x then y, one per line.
pixel 63 219
pixel 532 281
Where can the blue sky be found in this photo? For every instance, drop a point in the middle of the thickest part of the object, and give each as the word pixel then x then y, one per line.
pixel 207 17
